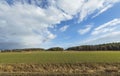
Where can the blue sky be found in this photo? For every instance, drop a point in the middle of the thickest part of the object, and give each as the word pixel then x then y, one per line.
pixel 63 23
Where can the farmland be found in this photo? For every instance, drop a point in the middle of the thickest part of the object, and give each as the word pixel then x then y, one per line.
pixel 60 62
pixel 60 57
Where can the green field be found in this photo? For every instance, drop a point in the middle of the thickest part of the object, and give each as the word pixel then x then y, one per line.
pixel 60 57
pixel 61 63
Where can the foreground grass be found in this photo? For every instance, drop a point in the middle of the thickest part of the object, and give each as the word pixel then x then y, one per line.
pixel 62 63
pixel 60 57
pixel 63 69
pixel 37 74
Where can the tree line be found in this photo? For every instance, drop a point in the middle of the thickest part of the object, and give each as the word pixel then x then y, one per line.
pixel 100 47
pixel 23 50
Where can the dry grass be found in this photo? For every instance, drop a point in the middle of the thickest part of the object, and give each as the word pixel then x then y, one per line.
pixel 60 64
pixel 78 68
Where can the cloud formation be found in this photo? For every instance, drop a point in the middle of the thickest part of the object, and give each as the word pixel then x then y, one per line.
pixel 26 23
pixel 64 28
pixel 107 32
pixel 85 30
pixel 108 27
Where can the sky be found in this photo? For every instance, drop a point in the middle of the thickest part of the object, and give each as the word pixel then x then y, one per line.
pixel 58 23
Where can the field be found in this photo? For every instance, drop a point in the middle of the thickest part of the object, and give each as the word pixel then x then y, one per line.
pixel 62 62
pixel 60 57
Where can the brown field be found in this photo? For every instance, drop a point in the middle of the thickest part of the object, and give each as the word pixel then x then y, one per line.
pixel 82 69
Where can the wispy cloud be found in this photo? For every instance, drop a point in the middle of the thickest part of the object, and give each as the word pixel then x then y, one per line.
pixel 107 5
pixel 103 10
pixel 107 27
pixel 91 7
pixel 85 30
pixel 64 28
pixel 107 32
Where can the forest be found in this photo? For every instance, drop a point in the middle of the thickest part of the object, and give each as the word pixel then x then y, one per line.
pixel 99 47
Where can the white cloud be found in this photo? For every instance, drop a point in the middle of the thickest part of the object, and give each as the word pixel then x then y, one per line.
pixel 108 32
pixel 106 38
pixel 84 8
pixel 64 28
pixel 85 30
pixel 107 4
pixel 27 24
pixel 107 27
pixel 71 7
pixel 91 6
pixel 103 10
